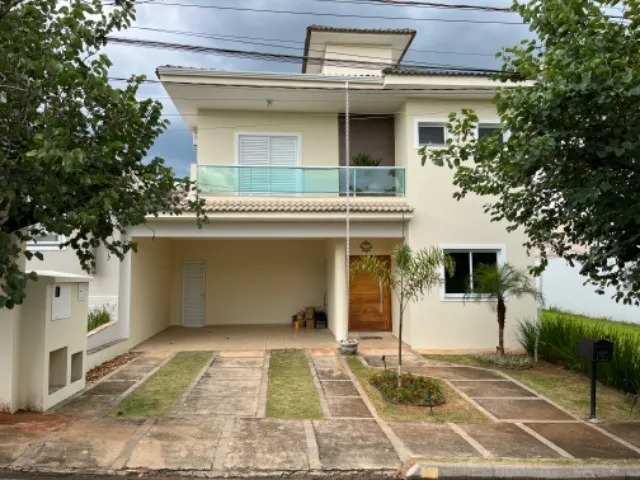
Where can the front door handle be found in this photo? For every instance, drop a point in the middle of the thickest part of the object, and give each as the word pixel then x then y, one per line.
pixel 380 294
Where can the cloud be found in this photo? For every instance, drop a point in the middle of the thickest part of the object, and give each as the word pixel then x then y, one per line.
pixel 175 144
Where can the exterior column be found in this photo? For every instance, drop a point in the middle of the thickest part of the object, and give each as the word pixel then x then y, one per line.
pixel 124 297
pixel 341 309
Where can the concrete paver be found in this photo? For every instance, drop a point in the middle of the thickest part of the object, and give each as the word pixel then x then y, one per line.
pixel 341 388
pixel 235 373
pixel 432 440
pixel 233 362
pixel 517 409
pixel 267 444
pixel 348 407
pixel 456 373
pixel 582 441
pixel 353 444
pixel 89 406
pixel 177 444
pixel 109 387
pixel 508 440
pixel 329 368
pixel 226 388
pixel 628 431
pixel 209 405
pixel 491 388
pixel 85 445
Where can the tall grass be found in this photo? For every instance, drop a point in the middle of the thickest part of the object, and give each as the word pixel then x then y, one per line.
pixel 558 335
pixel 97 318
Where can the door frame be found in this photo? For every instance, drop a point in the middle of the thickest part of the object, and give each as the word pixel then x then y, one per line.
pixel 204 293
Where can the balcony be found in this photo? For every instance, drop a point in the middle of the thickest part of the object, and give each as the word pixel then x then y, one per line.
pixel 250 180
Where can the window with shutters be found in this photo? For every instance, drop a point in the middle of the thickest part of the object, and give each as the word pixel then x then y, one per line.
pixel 268 164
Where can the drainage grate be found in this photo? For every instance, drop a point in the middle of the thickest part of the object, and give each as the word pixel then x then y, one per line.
pixel 370 337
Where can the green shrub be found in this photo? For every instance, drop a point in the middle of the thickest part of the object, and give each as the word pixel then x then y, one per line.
pixel 414 390
pixel 97 318
pixel 558 343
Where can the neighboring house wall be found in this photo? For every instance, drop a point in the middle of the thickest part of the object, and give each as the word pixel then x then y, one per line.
pixel 217 134
pixel 252 281
pixel 439 220
pixel 563 288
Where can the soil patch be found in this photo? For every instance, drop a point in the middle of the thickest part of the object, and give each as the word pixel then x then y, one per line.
pixel 34 421
pixel 106 368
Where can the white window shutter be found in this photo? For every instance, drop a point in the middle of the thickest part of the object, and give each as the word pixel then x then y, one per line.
pixel 253 152
pixel 257 151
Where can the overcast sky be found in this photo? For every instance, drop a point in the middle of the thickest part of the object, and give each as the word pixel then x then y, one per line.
pixel 475 43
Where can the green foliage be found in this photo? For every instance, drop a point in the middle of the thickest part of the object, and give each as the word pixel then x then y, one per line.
pixel 291 392
pixel 410 276
pixel 558 340
pixel 364 160
pixel 157 395
pixel 411 391
pixel 72 145
pixel 97 318
pixel 493 284
pixel 568 171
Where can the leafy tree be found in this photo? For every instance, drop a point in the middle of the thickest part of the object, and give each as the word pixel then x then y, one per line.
pixel 568 170
pixel 72 145
pixel 494 284
pixel 410 276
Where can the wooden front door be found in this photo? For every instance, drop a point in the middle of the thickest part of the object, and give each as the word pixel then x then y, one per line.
pixel 369 302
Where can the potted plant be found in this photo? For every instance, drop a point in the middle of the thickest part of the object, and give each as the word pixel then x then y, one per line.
pixel 349 346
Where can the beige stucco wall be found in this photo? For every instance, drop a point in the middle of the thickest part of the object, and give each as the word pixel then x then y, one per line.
pixel 150 289
pixel 379 55
pixel 217 130
pixel 440 219
pixel 252 281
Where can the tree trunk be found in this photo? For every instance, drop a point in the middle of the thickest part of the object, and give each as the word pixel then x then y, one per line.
pixel 400 350
pixel 502 314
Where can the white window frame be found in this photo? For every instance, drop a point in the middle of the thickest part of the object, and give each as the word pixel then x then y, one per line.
pixel 501 256
pixel 32 245
pixel 491 123
pixel 433 122
pixel 298 135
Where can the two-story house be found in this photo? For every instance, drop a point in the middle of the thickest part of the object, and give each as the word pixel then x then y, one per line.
pixel 274 160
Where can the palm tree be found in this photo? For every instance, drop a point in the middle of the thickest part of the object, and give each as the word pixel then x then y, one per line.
pixel 495 284
pixel 410 276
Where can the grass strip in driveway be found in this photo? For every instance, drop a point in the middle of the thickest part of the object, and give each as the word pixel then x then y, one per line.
pixel 568 389
pixel 157 395
pixel 291 393
pixel 456 409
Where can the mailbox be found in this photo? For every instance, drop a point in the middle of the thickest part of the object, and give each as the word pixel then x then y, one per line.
pixel 595 350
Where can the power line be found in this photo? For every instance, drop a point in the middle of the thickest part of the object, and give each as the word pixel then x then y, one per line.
pixel 334 15
pixel 287 58
pixel 420 4
pixel 259 41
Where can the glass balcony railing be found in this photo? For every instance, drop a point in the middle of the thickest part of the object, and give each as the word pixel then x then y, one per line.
pixel 363 181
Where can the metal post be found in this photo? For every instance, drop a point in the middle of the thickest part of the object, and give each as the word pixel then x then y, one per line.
pixel 592 414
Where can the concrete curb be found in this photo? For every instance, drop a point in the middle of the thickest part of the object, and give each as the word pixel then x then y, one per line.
pixel 515 471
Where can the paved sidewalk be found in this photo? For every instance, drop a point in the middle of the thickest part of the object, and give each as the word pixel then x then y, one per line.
pixel 218 427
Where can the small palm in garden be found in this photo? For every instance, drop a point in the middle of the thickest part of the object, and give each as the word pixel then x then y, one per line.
pixel 411 275
pixel 493 284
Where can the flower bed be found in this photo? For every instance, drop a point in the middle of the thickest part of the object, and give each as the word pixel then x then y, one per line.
pixel 417 391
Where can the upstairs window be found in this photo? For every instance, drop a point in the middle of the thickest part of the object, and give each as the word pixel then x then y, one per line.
pixel 432 134
pixel 487 130
pixel 467 261
pixel 268 164
pixel 46 241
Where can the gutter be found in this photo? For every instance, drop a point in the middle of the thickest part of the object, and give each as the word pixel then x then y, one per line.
pixel 190 72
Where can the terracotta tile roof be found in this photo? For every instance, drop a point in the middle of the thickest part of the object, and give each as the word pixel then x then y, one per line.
pixel 393 31
pixel 436 72
pixel 306 205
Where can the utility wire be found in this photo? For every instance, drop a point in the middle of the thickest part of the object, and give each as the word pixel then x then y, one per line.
pixel 261 42
pixel 287 58
pixel 333 15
